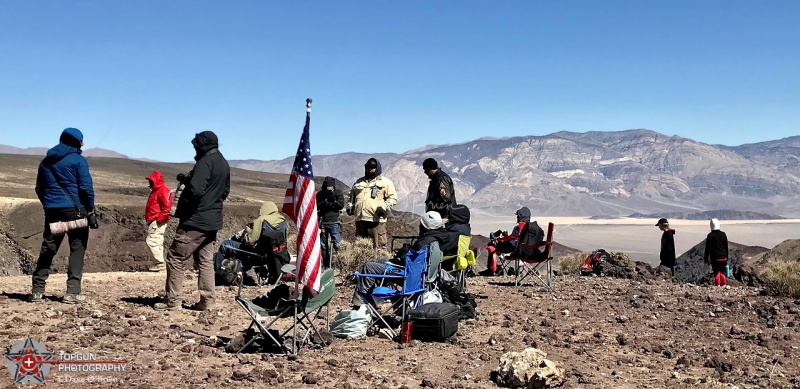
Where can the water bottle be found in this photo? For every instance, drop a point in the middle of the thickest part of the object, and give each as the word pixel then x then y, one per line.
pixel 727 270
pixel 405 332
pixel 175 197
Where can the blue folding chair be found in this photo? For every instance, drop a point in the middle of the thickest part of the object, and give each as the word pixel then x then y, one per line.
pixel 413 282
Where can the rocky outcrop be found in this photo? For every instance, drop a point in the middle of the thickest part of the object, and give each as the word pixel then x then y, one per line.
pixel 690 267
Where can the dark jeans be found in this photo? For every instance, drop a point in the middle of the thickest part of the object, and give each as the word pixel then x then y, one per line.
pixel 366 284
pixel 329 231
pixel 50 245
pixel 226 252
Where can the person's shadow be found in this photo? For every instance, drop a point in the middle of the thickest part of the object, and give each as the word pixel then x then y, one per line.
pixel 25 297
pixel 144 301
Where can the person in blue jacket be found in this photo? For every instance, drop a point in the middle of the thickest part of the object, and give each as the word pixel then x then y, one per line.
pixel 64 187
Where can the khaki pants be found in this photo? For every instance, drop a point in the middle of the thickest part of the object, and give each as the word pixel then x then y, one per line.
pixel 374 230
pixel 191 244
pixel 155 241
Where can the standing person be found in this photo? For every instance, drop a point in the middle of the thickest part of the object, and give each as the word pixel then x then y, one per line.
pixel 441 193
pixel 156 215
pixel 330 202
pixel 716 252
pixel 200 217
pixel 371 198
pixel 64 187
pixel 667 254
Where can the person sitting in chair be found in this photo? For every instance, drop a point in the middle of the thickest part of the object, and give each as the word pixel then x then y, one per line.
pixel 457 225
pixel 430 230
pixel 502 243
pixel 264 237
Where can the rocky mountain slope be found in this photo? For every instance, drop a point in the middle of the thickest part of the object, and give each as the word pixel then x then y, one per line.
pixel 609 173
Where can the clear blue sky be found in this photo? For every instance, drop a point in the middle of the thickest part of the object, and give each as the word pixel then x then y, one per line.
pixel 141 77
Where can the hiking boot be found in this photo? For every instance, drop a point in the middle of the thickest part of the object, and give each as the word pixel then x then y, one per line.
pixel 198 307
pixel 71 298
pixel 157 268
pixel 35 297
pixel 166 307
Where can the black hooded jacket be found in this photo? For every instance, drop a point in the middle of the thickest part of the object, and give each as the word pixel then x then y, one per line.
pixel 330 201
pixel 441 194
pixel 667 254
pixel 716 246
pixel 457 225
pixel 207 186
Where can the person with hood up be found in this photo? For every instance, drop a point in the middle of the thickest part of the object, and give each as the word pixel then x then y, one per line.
pixel 371 198
pixel 156 215
pixel 457 225
pixel 270 223
pixel 199 214
pixel 430 230
pixel 441 193
pixel 64 187
pixel 667 254
pixel 716 253
pixel 502 243
pixel 330 202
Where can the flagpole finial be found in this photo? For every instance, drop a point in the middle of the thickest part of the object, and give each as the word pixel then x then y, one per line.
pixel 308 105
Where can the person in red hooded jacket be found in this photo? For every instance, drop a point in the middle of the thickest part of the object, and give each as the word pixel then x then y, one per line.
pixel 156 215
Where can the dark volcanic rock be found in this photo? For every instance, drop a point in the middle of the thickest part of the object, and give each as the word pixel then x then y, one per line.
pixel 691 268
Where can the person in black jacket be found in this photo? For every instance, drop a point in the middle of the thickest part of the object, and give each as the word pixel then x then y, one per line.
pixel 716 253
pixel 667 254
pixel 457 225
pixel 441 193
pixel 330 202
pixel 200 217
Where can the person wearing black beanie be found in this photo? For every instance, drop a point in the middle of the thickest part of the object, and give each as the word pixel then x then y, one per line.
pixel 441 193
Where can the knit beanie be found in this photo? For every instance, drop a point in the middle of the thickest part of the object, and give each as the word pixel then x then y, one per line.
pixel 431 220
pixel 71 137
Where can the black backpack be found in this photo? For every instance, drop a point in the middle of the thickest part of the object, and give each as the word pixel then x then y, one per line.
pixel 452 293
pixel 272 245
pixel 531 235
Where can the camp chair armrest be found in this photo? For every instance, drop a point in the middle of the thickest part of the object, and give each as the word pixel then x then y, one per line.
pixel 400 277
pixel 509 238
pixel 535 246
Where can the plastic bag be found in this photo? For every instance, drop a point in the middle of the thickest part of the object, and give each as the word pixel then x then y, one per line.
pixel 431 296
pixel 351 324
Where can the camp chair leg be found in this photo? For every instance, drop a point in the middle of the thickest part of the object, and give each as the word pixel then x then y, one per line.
pixel 294 327
pixel 307 321
pixel 374 311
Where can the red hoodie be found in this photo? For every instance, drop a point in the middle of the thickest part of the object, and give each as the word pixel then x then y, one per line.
pixel 159 202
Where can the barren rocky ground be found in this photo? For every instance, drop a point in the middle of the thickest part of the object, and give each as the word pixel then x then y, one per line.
pixel 606 332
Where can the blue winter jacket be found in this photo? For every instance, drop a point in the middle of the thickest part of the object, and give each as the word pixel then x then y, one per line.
pixel 72 171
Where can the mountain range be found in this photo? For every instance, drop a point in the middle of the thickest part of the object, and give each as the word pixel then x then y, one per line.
pixel 593 173
pixel 582 174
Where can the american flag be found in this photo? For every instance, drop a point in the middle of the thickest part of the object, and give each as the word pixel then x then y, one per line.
pixel 301 206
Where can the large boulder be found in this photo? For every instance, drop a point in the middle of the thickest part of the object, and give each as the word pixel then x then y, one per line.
pixel 528 369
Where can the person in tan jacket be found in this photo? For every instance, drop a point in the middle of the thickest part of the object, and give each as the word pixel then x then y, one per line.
pixel 371 198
